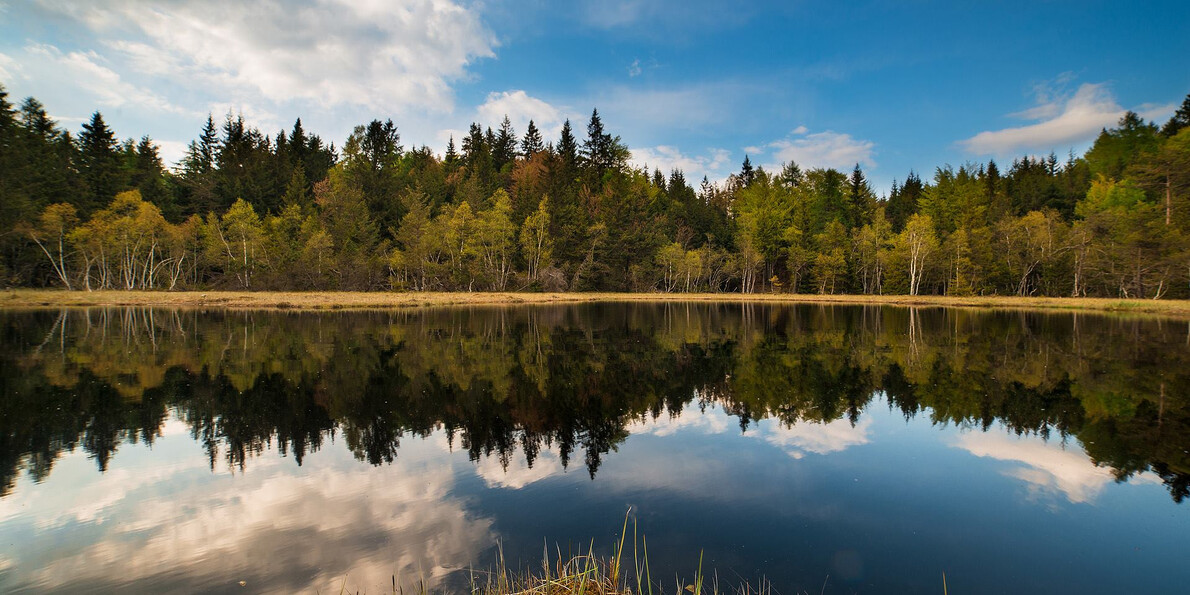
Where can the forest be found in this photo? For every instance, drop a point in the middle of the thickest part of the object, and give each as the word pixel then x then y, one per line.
pixel 508 211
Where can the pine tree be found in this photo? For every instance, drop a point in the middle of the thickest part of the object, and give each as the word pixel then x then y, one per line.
pixel 531 144
pixel 747 174
pixel 99 165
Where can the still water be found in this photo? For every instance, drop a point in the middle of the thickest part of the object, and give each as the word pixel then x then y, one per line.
pixel 823 449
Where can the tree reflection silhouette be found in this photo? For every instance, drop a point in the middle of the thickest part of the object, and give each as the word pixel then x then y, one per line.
pixel 499 380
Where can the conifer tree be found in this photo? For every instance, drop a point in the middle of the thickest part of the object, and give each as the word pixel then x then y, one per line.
pixel 747 173
pixel 531 144
pixel 99 165
pixel 1180 119
pixel 504 148
pixel 568 146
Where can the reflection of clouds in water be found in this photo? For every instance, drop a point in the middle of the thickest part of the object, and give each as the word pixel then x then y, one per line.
pixel 1048 467
pixel 278 527
pixel 814 437
pixel 519 474
pixel 796 440
pixel 714 421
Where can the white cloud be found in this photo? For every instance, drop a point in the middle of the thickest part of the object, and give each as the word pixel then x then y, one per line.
pixel 171 151
pixel 711 421
pixel 87 71
pixel 374 54
pixel 518 474
pixel 520 107
pixel 817 438
pixel 1046 467
pixel 169 516
pixel 668 158
pixel 821 149
pixel 1062 120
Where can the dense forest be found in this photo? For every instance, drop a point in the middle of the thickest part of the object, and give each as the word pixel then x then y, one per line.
pixel 501 210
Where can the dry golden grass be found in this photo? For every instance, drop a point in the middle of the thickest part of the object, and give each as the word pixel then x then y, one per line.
pixel 332 300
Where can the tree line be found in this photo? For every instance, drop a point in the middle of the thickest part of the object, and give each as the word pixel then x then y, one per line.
pixel 501 210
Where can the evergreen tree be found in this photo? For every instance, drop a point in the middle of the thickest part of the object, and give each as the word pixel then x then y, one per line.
pixel 903 202
pixel 747 174
pixel 196 188
pixel 99 165
pixel 597 150
pixel 451 159
pixel 148 175
pixel 860 200
pixel 504 148
pixel 568 146
pixel 1180 119
pixel 531 144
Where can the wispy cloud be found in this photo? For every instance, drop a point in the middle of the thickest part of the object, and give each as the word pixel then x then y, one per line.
pixel 634 68
pixel 88 71
pixel 1061 120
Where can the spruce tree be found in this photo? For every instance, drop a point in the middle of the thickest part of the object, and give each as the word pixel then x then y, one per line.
pixel 451 159
pixel 597 149
pixel 99 165
pixel 531 144
pixel 568 146
pixel 504 149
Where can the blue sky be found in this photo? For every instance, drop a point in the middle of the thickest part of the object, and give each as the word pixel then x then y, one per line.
pixel 892 85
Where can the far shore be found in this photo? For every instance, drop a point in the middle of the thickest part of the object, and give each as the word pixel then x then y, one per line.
pixel 336 300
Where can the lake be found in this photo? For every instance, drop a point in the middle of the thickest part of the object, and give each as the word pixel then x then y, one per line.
pixel 821 449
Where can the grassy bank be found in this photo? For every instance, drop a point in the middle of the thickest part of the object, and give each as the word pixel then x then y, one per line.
pixel 324 300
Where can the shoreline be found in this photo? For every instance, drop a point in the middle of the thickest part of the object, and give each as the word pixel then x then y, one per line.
pixel 334 300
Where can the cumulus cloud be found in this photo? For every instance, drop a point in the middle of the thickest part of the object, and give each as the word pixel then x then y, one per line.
pixel 1060 120
pixel 168 520
pixel 634 69
pixel 520 107
pixel 668 158
pixel 375 54
pixel 821 149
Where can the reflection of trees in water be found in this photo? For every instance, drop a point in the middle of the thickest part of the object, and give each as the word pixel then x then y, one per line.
pixel 499 380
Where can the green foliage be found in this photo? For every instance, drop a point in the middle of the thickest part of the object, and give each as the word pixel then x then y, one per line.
pixel 382 216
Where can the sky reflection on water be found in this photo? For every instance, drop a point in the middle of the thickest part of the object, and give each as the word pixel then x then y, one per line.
pixel 873 495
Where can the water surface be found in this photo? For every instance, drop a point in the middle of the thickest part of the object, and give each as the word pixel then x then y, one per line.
pixel 868 449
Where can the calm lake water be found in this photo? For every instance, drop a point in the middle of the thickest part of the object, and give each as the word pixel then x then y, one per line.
pixel 825 449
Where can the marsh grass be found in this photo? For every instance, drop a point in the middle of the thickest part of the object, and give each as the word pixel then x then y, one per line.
pixel 625 572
